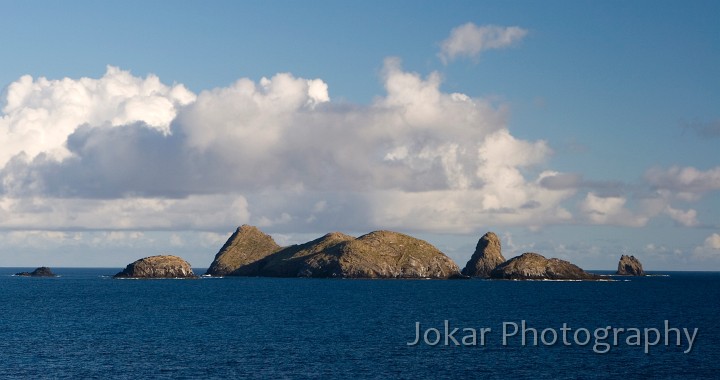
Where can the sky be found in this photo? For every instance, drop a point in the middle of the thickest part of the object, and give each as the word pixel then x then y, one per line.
pixel 581 130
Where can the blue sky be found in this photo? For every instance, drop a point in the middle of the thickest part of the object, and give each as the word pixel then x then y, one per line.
pixel 576 129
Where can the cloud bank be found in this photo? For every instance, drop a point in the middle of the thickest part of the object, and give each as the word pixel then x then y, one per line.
pixel 125 152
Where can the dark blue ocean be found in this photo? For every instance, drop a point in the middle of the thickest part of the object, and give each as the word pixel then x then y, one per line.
pixel 87 325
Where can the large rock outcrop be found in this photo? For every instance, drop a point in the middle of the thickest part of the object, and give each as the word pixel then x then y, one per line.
pixel 487 256
pixel 532 266
pixel 39 272
pixel 242 252
pixel 162 266
pixel 387 254
pixel 379 254
pixel 629 266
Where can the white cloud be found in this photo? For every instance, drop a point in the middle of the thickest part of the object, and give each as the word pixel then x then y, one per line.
pixel 687 183
pixel 686 218
pixel 213 239
pixel 112 238
pixel 39 114
pixel 38 238
pixel 265 221
pixel 458 211
pixel 710 248
pixel 618 211
pixel 249 117
pixel 131 153
pixel 470 40
pixel 281 154
pixel 713 242
pixel 193 212
pixel 53 248
pixel 610 210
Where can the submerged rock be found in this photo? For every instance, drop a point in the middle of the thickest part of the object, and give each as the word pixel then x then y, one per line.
pixel 629 266
pixel 532 266
pixel 162 266
pixel 487 256
pixel 242 252
pixel 39 272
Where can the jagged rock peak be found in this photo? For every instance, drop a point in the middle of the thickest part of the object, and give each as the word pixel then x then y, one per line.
pixel 533 266
pixel 161 266
pixel 630 266
pixel 487 256
pixel 245 247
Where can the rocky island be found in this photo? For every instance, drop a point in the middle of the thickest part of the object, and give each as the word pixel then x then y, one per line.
pixel 629 266
pixel 161 266
pixel 379 254
pixel 533 266
pixel 487 256
pixel 39 272
pixel 488 262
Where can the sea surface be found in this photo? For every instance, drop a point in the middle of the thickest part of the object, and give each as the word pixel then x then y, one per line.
pixel 85 324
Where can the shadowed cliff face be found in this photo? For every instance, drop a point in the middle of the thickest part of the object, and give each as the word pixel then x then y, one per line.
pixel 162 266
pixel 379 254
pixel 242 252
pixel 487 256
pixel 532 266
pixel 317 258
pixel 630 266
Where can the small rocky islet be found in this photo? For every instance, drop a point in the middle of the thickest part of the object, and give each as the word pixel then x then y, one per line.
pixel 629 266
pixel 378 254
pixel 160 266
pixel 38 272
pixel 533 266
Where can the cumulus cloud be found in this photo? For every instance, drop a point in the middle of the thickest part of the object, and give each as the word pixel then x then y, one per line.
pixel 612 210
pixel 685 218
pixel 470 40
pixel 609 204
pixel 686 183
pixel 710 248
pixel 39 114
pixel 603 210
pixel 616 203
pixel 713 242
pixel 135 153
